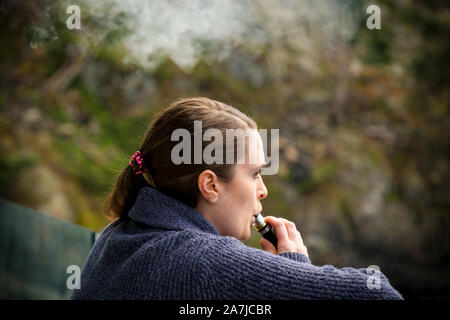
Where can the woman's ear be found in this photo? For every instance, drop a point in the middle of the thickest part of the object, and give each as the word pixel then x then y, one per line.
pixel 207 184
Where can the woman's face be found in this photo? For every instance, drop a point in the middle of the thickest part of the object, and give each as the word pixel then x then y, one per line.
pixel 240 199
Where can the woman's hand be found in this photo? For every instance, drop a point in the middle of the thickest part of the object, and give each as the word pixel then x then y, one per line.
pixel 288 237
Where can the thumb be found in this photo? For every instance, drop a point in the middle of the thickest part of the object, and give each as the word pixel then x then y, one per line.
pixel 266 245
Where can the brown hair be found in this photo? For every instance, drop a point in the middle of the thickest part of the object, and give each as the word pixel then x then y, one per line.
pixel 178 181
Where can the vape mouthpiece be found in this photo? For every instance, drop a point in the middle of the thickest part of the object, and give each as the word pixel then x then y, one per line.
pixel 259 222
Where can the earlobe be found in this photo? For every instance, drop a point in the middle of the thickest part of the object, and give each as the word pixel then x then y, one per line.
pixel 207 184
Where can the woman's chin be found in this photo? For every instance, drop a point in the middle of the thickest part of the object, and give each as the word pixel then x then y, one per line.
pixel 246 236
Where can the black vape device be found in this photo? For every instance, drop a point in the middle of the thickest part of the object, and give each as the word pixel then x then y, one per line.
pixel 265 229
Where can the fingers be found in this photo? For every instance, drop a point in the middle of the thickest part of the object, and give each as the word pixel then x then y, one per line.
pixel 284 229
pixel 295 236
pixel 280 228
pixel 288 237
pixel 285 242
pixel 266 245
pixel 291 229
pixel 299 237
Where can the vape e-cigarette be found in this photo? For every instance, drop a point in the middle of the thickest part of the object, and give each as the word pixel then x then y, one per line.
pixel 265 229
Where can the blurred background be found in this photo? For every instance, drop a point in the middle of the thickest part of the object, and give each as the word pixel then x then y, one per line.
pixel 363 114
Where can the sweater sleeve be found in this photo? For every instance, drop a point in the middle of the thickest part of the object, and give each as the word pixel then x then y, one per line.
pixel 296 256
pixel 231 270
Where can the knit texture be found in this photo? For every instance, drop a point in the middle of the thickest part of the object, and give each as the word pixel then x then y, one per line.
pixel 167 250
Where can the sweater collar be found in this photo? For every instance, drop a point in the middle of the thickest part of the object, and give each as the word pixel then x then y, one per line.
pixel 156 209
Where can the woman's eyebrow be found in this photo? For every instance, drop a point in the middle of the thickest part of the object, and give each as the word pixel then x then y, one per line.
pixel 265 164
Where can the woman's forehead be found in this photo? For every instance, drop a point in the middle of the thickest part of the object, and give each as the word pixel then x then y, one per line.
pixel 255 150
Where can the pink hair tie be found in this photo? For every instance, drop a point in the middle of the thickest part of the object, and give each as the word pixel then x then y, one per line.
pixel 137 157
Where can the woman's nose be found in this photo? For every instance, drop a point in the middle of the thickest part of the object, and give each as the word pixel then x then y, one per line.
pixel 262 193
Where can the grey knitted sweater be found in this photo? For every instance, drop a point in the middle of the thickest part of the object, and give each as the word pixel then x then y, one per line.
pixel 167 250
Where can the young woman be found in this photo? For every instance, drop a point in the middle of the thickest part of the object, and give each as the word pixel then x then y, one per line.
pixel 177 227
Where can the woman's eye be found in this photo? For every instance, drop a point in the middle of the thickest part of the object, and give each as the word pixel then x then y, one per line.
pixel 257 173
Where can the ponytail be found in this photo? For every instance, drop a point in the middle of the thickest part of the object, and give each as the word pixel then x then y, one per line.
pixel 126 189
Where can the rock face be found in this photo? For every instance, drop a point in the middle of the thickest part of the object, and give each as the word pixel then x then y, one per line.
pixel 350 210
